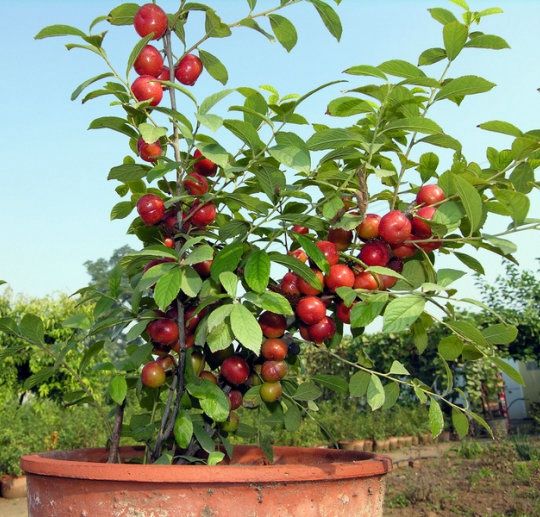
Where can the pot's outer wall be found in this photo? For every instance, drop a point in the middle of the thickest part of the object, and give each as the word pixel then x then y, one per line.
pixel 283 490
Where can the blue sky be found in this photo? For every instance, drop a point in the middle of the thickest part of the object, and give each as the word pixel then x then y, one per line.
pixel 56 199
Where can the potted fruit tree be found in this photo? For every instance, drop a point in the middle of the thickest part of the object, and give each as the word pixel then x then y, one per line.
pixel 263 233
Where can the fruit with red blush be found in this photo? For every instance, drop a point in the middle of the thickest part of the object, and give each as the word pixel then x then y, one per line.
pixel 366 280
pixel 163 331
pixel 420 228
pixel 153 375
pixel 235 399
pixel 302 230
pixel 430 195
pixel 343 313
pixel 272 325
pixel 188 69
pixel 147 88
pixel 270 391
pixel 307 289
pixel 368 229
pixel 340 275
pixel 150 18
pixel 311 309
pixel 272 371
pixel 289 285
pixel 196 184
pixel 330 251
pixel 235 370
pixel 299 254
pixel 340 237
pixel 149 61
pixel 375 253
pixel 203 215
pixel 322 330
pixel 395 227
pixel 203 165
pixel 151 209
pixel 274 349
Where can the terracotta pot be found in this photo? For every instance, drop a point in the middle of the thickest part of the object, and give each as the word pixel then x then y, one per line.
pixel 301 481
pixel 13 487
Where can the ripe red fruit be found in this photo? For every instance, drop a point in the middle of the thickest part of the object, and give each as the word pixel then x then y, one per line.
pixel 149 62
pixel 147 87
pixel 151 209
pixel 170 222
pixel 404 250
pixel 340 237
pixel 369 228
pixel 340 275
pixel 153 375
pixel 191 318
pixel 395 227
pixel 196 184
pixel 203 165
pixel 167 362
pixel 322 330
pixel 274 349
pixel 302 230
pixel 299 254
pixel 390 281
pixel 343 312
pixel 235 399
pixel 235 370
pixel 163 331
pixel 330 251
pixel 307 289
pixel 289 285
pixel 168 242
pixel 270 391
pixel 375 253
pixel 150 18
pixel 205 375
pixel 203 215
pixel 311 309
pixel 164 75
pixel 304 332
pixel 188 69
pixel 430 195
pixel 272 371
pixel 203 268
pixel 272 325
pixel 366 280
pixel 420 228
pixel 149 152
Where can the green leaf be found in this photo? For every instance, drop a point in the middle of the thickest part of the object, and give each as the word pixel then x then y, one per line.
pixel 227 259
pixel 284 31
pixel 499 126
pixel 183 430
pixel 391 394
pixel 466 85
pixel 212 399
pixel 470 262
pixel 39 377
pixel 214 26
pixel 335 383
pixel 190 282
pixel 358 384
pixel 246 328
pixel 128 172
pixel 116 124
pixel 313 252
pixel 329 17
pixel 508 370
pixel 460 422
pixel 461 3
pixel 398 369
pixel 257 271
pixel 215 457
pixel 32 328
pixel 471 199
pixel 229 281
pixel 292 418
pixel 210 101
pixel 375 392
pixel 167 288
pixel 416 124
pixel 291 151
pixel 151 133
pixel 500 333
pixel 488 41
pixel 363 313
pixel 442 15
pixel 455 36
pixel 348 106
pixel 402 312
pixel 121 210
pixel 136 51
pixel 214 66
pixel 366 70
pixel 59 30
pixel 87 83
pixel 199 254
pixel 123 14
pixel 445 277
pixel 275 302
pixel 219 338
pixel 400 68
pixel 436 418
pixel 516 203
pixel 297 267
pixel 331 138
pixel 118 389
pixel 245 132
pixel 431 56
pixel 307 391
pixel 450 347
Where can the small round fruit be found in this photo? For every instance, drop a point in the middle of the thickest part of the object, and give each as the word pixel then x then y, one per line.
pixel 146 88
pixel 289 285
pixel 420 228
pixel 272 325
pixel 149 152
pixel 430 195
pixel 196 184
pixel 163 331
pixel 270 391
pixel 188 69
pixel 151 209
pixel 150 18
pixel 205 375
pixel 340 237
pixel 299 254
pixel 388 281
pixel 340 275
pixel 164 75
pixel 170 222
pixel 192 318
pixel 310 310
pixel 330 251
pixel 168 242
pixel 149 62
pixel 395 227
pixel 197 362
pixel 322 330
pixel 304 332
pixel 203 165
pixel 203 268
pixel 203 215
pixel 153 375
pixel 302 230
pixel 343 312
pixel 235 370
pixel 235 399
pixel 369 228
pixel 365 280
pixel 307 289
pixel 375 253
pixel 404 250
pixel 167 362
pixel 272 371
pixel 231 424
pixel 274 349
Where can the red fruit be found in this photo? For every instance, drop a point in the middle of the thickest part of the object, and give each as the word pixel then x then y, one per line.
pixel 330 251
pixel 430 245
pixel 189 341
pixel 304 331
pixel 188 69
pixel 341 238
pixel 164 75
pixel 147 87
pixel 150 18
pixel 375 253
pixel 310 310
pixel 299 254
pixel 430 195
pixel 365 280
pixel 235 399
pixel 151 209
pixel 369 228
pixel 420 228
pixel 149 152
pixel 163 331
pixel 235 370
pixel 191 319
pixel 272 325
pixel 272 371
pixel 343 312
pixel 203 215
pixel 404 250
pixel 289 285
pixel 149 62
pixel 302 230
pixel 270 391
pixel 167 362
pixel 390 281
pixel 340 275
pixel 205 375
pixel 153 375
pixel 170 222
pixel 307 289
pixel 168 242
pixel 395 227
pixel 203 268
pixel 196 184
pixel 274 349
pixel 322 330
pixel 203 165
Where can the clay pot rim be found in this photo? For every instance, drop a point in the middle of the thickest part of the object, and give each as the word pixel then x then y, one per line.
pixel 326 464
